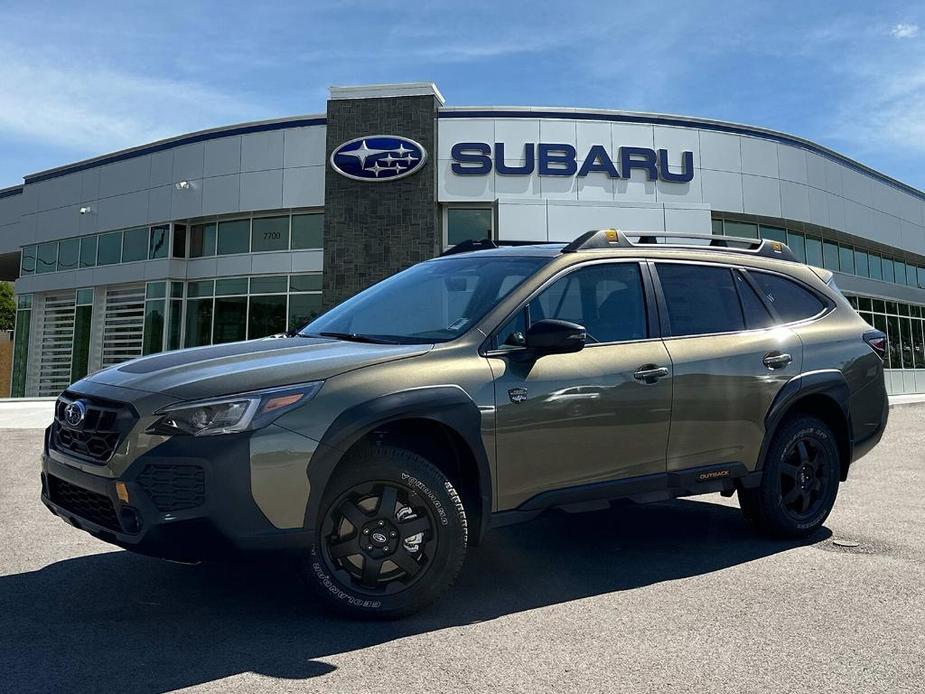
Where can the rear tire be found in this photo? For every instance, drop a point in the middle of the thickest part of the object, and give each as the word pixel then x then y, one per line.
pixel 390 537
pixel 799 483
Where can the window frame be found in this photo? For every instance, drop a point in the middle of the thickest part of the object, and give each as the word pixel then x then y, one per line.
pixel 745 271
pixel 445 218
pixel 827 303
pixel 255 219
pixel 490 347
pixel 664 320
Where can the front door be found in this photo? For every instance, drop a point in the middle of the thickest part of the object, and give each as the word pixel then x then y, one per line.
pixel 730 358
pixel 590 416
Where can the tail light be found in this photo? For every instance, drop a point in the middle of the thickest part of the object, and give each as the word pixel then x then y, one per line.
pixel 876 340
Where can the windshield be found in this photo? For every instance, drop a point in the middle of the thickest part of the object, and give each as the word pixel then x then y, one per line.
pixel 435 301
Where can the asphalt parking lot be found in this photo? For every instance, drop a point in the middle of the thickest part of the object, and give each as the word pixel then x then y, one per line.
pixel 673 597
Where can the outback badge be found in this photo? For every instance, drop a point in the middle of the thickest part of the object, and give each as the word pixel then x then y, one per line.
pixel 517 394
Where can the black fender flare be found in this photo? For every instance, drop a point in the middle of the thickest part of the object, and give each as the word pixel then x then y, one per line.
pixel 828 382
pixel 449 405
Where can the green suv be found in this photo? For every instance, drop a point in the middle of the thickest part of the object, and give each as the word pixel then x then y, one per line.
pixel 479 389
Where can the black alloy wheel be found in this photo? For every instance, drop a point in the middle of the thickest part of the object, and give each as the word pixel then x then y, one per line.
pixel 379 537
pixel 801 473
pixel 390 535
pixel 805 475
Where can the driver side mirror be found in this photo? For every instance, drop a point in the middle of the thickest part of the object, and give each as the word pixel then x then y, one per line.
pixel 552 336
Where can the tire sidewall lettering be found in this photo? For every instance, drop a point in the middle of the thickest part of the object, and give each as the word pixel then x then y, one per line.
pixel 821 436
pixel 336 592
pixel 416 484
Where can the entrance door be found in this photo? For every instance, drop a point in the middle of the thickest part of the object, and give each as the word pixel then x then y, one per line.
pixel 590 416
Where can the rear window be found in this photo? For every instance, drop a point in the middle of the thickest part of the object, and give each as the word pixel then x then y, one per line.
pixel 756 313
pixel 701 299
pixel 791 301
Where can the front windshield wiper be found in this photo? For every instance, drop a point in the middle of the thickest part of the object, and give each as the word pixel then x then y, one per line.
pixel 355 337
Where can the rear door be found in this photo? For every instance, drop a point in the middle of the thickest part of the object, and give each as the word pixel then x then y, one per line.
pixel 729 359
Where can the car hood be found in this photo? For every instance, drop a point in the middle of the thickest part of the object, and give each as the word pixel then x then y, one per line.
pixel 239 367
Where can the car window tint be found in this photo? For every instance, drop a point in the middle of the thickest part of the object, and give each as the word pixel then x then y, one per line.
pixel 561 301
pixel 791 301
pixel 607 300
pixel 701 299
pixel 757 315
pixel 513 334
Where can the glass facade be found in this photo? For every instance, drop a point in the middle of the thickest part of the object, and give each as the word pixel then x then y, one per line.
pixel 68 254
pixel 830 254
pixel 134 244
pixel 307 230
pixel 270 234
pixel 235 236
pixel 202 240
pixel 179 313
pixel 109 249
pixel 903 325
pixel 21 345
pixel 46 258
pixel 83 317
pixel 468 223
pixel 159 242
pixel 246 308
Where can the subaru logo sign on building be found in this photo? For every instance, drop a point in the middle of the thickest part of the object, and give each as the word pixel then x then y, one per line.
pixel 378 158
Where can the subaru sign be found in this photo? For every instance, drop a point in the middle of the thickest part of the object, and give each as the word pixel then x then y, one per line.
pixel 378 158
pixel 559 159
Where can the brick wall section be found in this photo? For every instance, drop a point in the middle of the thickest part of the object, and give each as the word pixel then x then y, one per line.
pixel 372 230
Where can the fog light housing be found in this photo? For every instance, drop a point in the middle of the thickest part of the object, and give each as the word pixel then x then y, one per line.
pixel 131 519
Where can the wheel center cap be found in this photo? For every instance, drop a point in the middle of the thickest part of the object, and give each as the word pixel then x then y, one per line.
pixel 380 536
pixel 806 475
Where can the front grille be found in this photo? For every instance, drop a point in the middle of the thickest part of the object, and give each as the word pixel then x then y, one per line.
pixel 96 508
pixel 96 438
pixel 174 487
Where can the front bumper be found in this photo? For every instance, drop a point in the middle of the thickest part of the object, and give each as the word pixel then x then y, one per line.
pixel 207 512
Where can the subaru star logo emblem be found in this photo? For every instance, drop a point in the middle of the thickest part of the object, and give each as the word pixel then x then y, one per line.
pixel 75 413
pixel 378 158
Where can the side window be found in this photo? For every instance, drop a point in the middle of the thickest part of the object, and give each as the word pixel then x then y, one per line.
pixel 701 299
pixel 608 300
pixel 756 313
pixel 788 298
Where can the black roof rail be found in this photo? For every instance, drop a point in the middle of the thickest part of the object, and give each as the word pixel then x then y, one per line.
pixel 616 238
pixel 470 245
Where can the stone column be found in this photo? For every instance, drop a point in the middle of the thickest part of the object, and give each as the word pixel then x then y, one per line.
pixel 373 229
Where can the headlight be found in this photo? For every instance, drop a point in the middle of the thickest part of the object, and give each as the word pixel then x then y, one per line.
pixel 233 413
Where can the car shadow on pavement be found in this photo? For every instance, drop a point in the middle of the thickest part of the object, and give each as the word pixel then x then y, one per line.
pixel 117 621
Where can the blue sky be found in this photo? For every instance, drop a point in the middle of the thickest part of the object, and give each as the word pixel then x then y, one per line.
pixel 82 79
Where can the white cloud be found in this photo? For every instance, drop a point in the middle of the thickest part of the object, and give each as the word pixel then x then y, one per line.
pixel 905 31
pixel 92 109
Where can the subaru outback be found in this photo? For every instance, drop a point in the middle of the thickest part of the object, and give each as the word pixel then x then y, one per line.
pixel 474 390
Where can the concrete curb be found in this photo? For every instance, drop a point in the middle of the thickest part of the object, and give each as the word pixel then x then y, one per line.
pixel 5 400
pixel 914 399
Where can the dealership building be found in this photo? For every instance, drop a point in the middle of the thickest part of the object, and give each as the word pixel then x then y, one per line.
pixel 249 230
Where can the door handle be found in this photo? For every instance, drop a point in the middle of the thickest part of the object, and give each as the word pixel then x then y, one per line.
pixel 776 360
pixel 650 373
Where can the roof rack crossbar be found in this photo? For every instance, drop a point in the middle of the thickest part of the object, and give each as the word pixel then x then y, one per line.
pixel 614 238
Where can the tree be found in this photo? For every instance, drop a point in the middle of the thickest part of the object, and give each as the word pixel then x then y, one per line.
pixel 7 306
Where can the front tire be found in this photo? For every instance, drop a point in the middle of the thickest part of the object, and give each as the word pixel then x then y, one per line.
pixel 390 537
pixel 800 480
